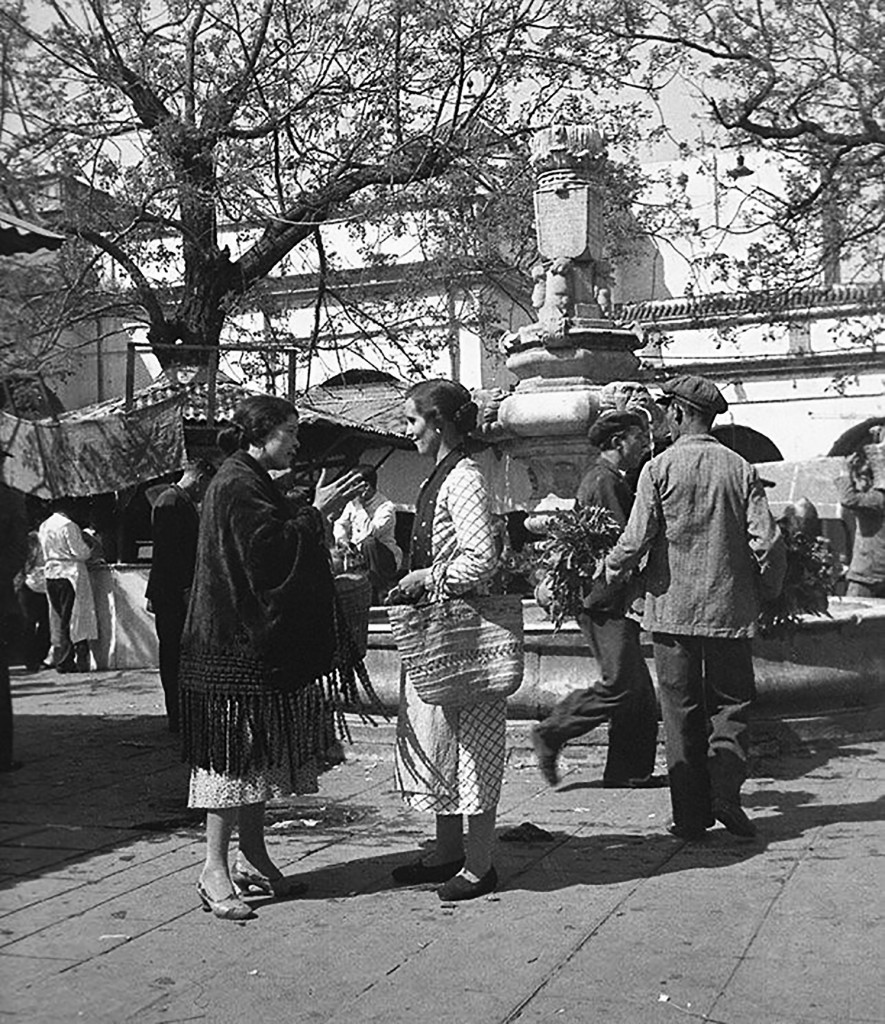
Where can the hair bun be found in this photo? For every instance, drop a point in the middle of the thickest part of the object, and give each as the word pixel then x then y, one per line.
pixel 230 437
pixel 466 417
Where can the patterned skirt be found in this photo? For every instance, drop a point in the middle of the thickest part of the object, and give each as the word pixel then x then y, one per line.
pixel 310 733
pixel 450 760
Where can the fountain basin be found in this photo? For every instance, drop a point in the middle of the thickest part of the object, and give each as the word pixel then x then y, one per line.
pixel 823 680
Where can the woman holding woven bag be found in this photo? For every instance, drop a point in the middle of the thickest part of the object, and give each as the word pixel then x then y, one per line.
pixel 450 760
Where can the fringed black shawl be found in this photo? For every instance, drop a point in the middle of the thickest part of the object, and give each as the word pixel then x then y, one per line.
pixel 262 623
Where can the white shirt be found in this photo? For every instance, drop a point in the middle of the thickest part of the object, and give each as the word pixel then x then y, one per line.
pixel 64 554
pixel 370 517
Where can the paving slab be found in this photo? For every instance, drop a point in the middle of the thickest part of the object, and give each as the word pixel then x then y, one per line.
pixel 604 918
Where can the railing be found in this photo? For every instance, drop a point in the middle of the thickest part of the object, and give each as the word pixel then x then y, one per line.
pixel 210 357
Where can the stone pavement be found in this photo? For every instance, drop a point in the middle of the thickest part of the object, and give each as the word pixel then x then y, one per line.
pixel 606 920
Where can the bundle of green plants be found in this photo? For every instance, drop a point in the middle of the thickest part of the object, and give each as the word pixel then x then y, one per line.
pixel 810 579
pixel 577 541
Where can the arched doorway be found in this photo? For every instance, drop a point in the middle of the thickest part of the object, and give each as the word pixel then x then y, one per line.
pixel 754 446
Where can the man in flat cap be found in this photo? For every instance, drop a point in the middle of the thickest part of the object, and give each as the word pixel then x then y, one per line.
pixel 713 551
pixel 624 696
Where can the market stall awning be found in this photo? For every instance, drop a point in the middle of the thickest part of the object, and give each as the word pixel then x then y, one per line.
pixel 81 455
pixel 17 235
pixel 226 394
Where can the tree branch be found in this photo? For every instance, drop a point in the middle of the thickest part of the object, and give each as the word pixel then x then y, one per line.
pixel 145 292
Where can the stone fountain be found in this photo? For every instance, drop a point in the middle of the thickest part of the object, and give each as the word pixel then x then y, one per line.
pixel 574 361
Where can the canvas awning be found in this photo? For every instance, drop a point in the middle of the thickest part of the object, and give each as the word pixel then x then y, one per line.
pixel 80 456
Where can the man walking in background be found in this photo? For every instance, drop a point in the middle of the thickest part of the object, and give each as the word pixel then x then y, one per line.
pixel 625 695
pixel 713 550
pixel 175 523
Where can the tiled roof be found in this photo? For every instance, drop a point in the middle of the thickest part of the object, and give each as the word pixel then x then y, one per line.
pixel 228 393
pixel 834 299
pixel 377 405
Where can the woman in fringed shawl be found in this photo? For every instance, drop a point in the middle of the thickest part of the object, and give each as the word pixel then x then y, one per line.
pixel 264 662
pixel 450 760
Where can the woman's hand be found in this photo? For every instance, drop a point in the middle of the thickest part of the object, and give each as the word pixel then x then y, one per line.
pixel 330 497
pixel 414 584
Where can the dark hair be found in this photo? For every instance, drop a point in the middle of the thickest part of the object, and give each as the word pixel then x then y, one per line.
pixel 609 426
pixel 368 473
pixel 445 400
pixel 253 419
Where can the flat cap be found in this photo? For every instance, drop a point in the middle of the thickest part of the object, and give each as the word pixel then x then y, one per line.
pixel 698 392
pixel 614 422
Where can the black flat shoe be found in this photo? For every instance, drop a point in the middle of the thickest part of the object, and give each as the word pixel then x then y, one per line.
pixel 734 818
pixel 459 888
pixel 692 835
pixel 641 782
pixel 546 756
pixel 420 873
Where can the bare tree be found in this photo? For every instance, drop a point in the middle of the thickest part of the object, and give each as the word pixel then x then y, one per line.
pixel 803 79
pixel 185 115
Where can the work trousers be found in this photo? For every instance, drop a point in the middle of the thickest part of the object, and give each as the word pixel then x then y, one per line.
pixel 35 617
pixel 380 566
pixel 169 616
pixel 624 697
pixel 706 686
pixel 71 657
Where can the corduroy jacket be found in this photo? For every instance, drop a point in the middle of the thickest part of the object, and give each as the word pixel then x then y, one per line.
pixel 713 547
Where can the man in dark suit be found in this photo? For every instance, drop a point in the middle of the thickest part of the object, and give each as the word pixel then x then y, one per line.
pixel 624 696
pixel 175 525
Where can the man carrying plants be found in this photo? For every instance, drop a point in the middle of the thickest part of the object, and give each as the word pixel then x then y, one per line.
pixel 624 696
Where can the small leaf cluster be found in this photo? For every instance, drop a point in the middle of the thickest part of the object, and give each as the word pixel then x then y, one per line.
pixel 576 542
pixel 809 580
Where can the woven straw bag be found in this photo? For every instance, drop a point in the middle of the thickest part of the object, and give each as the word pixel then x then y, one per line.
pixel 464 651
pixel 354 593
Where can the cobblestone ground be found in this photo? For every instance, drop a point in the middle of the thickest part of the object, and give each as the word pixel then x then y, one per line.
pixel 602 918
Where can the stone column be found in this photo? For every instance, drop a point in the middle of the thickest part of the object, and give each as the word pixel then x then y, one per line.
pixel 566 359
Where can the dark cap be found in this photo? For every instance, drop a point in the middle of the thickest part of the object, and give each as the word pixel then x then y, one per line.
pixel 614 422
pixel 3 451
pixel 698 392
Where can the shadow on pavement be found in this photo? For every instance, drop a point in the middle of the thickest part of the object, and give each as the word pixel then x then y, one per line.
pixel 560 863
pixel 88 784
pixel 798 812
